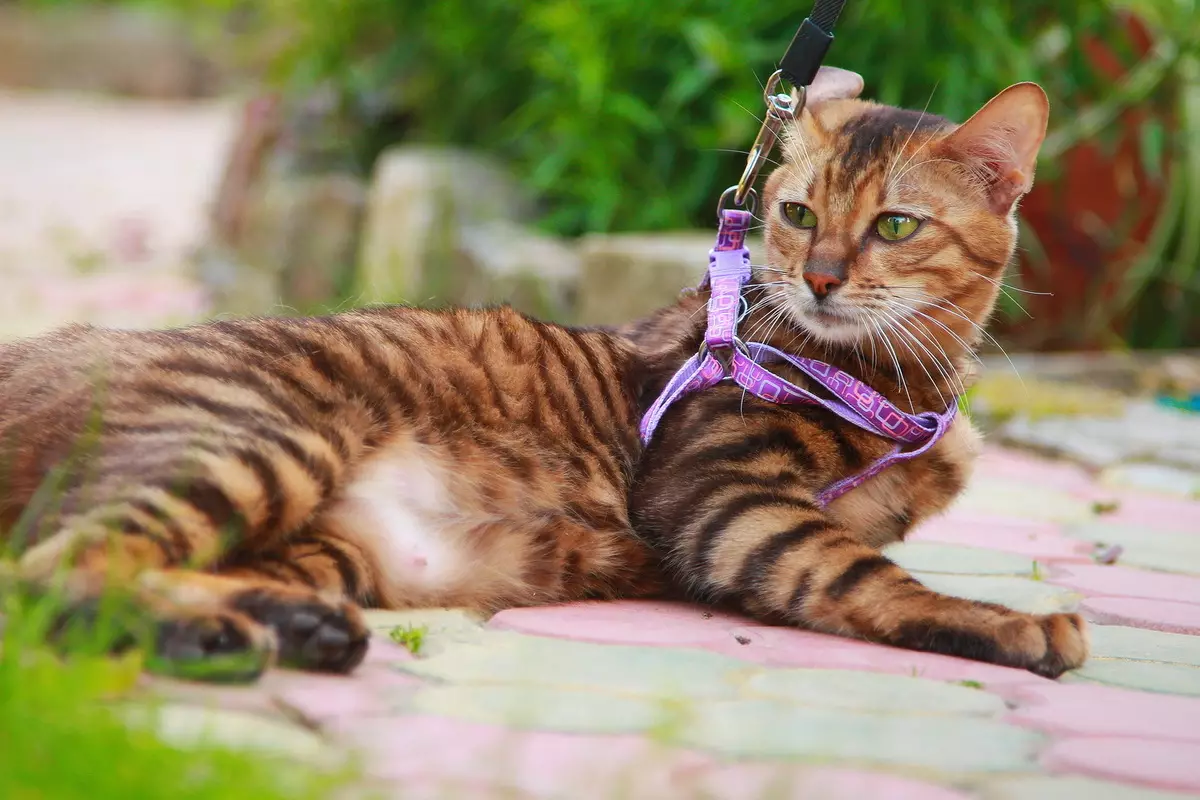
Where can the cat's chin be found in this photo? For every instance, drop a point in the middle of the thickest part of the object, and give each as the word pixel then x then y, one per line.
pixel 828 329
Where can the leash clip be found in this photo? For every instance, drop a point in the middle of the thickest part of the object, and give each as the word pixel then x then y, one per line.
pixel 780 109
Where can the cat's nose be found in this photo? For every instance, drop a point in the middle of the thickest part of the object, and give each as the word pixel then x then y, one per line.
pixel 822 283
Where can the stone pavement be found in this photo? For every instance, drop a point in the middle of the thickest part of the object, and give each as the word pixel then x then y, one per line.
pixel 661 700
pixel 102 201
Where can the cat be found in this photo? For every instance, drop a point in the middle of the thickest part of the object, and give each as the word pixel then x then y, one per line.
pixel 887 233
pixel 249 485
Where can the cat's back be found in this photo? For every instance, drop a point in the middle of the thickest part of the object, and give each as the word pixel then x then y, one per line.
pixel 439 370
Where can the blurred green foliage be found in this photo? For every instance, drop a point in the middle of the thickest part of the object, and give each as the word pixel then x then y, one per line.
pixel 73 725
pixel 622 114
pixel 626 115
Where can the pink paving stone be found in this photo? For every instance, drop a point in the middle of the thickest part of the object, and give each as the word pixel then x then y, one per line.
pixel 384 651
pixel 1067 709
pixel 626 622
pixel 1038 540
pixel 1118 581
pixel 1158 615
pixel 427 750
pixel 786 647
pixel 157 295
pixel 373 689
pixel 757 781
pixel 1152 511
pixel 539 762
pixel 1015 466
pixel 1162 764
pixel 682 625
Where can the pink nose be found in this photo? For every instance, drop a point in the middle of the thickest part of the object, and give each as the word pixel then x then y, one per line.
pixel 822 283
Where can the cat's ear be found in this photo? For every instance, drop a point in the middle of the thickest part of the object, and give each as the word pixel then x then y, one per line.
pixel 832 83
pixel 1001 142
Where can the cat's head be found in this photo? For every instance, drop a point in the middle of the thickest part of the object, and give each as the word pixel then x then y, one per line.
pixel 888 228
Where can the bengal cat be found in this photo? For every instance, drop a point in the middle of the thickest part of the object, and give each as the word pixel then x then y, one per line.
pixel 251 484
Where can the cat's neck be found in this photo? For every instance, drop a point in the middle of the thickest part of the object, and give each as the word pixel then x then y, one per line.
pixel 911 378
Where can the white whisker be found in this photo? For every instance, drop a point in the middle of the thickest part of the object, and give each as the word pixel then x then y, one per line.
pixel 917 124
pixel 892 325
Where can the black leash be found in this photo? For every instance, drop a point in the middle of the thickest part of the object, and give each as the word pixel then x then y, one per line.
pixel 807 50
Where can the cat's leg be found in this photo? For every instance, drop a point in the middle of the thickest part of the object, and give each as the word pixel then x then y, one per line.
pixel 307 590
pixel 767 545
pixel 170 510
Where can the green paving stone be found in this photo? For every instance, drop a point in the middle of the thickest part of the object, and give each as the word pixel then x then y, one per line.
pixel 1139 644
pixel 191 726
pixel 1144 547
pixel 1004 498
pixel 869 691
pixel 443 625
pixel 1043 787
pixel 957 559
pixel 766 729
pixel 513 658
pixel 1153 477
pixel 1148 676
pixel 1022 594
pixel 544 708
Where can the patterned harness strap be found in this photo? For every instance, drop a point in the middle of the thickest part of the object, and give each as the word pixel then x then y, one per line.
pixel 725 357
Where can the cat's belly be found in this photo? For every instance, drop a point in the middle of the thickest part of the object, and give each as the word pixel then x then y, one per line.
pixel 429 547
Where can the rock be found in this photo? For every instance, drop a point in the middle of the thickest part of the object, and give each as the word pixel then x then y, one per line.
pixel 424 204
pixel 109 50
pixel 625 276
pixel 1143 432
pixel 296 245
pixel 1128 373
pixel 501 261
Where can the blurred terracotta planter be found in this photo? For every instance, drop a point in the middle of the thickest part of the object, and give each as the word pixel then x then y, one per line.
pixel 1091 218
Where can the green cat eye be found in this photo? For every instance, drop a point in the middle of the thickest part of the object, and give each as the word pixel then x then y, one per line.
pixel 799 215
pixel 895 227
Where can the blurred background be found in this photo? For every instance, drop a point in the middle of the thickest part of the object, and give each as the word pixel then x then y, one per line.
pixel 168 160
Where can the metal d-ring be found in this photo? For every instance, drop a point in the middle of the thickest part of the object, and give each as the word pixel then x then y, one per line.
pixel 750 201
pixel 722 355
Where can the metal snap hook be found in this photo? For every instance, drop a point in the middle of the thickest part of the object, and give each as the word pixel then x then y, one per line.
pixel 780 102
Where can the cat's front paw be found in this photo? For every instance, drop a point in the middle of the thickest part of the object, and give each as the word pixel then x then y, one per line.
pixel 1050 644
pixel 314 633
pixel 197 643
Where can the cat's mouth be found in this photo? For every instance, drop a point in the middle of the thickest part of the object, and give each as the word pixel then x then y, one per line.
pixel 833 320
pixel 829 316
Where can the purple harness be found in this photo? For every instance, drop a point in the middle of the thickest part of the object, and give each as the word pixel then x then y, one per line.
pixel 852 400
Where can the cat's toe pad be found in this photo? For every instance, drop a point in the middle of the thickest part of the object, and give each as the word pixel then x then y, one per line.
pixel 313 633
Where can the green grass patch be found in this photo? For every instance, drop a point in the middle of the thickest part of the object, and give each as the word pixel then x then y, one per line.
pixel 62 733
pixel 411 636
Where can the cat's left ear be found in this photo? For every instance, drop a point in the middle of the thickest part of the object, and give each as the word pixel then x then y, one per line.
pixel 1001 142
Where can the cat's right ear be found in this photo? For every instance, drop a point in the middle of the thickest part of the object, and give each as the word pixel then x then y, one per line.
pixel 832 83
